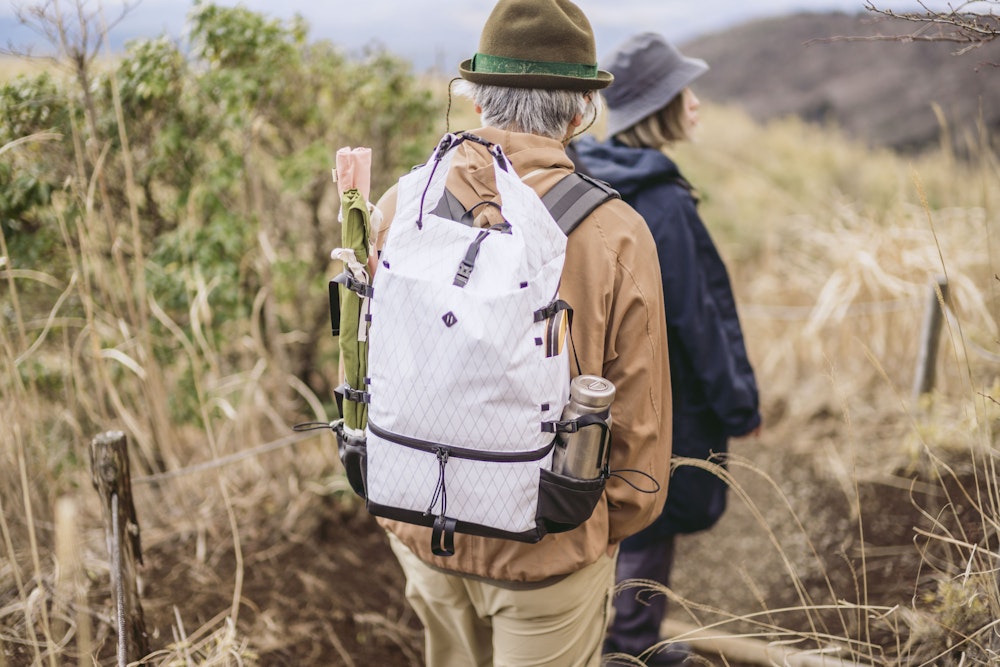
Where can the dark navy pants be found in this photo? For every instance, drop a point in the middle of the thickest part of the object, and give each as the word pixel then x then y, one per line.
pixel 639 611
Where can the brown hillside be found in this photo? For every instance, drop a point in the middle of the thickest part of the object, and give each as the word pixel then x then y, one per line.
pixel 883 92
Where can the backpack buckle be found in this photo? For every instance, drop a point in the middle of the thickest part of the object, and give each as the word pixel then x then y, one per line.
pixel 447 142
pixel 361 288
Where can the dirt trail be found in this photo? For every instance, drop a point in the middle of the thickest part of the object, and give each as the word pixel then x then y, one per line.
pixel 332 593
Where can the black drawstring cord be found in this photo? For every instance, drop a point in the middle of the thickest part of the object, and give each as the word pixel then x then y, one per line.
pixel 618 474
pixel 572 343
pixel 440 491
pixel 313 426
pixel 447 143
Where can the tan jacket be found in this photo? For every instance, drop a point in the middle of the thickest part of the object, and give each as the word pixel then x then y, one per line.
pixel 611 278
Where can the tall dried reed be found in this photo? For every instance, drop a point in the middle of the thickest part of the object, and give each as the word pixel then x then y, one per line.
pixel 77 359
pixel 831 244
pixel 833 248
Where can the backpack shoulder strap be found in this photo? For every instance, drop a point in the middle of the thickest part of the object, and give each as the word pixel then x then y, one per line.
pixel 569 201
pixel 575 197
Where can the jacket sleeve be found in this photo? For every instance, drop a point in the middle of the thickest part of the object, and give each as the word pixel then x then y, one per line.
pixel 703 324
pixel 635 360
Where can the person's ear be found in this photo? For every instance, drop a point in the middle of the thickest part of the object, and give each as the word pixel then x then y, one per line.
pixel 578 118
pixel 478 108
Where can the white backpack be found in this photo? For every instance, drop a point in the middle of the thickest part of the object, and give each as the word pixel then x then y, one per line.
pixel 468 364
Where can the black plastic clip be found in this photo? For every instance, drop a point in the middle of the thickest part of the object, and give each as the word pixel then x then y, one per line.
pixel 447 142
pixel 552 309
pixel 353 395
pixel 362 289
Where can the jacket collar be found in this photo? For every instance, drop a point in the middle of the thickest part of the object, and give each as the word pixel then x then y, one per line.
pixel 527 153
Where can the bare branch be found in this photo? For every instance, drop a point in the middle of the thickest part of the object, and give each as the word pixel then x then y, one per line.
pixel 76 35
pixel 906 39
pixel 961 23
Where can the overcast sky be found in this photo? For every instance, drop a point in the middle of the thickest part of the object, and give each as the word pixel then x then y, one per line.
pixel 443 32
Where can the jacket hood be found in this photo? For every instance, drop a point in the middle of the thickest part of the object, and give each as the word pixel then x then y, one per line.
pixel 629 169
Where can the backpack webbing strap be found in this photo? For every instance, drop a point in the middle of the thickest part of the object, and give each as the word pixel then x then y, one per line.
pixel 469 261
pixel 334 290
pixel 575 197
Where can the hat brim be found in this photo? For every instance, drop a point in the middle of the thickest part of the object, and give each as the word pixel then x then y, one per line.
pixel 543 81
pixel 656 96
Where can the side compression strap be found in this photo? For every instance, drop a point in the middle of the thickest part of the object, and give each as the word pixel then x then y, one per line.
pixel 353 395
pixel 362 289
pixel 550 310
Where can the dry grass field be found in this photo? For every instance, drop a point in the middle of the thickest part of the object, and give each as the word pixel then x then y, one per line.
pixel 863 522
pixel 11 67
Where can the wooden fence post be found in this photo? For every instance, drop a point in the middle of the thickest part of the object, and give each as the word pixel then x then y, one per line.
pixel 930 336
pixel 111 478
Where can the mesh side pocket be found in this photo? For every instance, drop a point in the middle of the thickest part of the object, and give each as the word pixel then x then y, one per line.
pixel 353 453
pixel 566 502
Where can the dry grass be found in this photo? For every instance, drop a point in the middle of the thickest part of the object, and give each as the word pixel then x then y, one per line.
pixel 64 378
pixel 11 67
pixel 832 247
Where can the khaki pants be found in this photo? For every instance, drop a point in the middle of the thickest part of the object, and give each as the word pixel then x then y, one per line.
pixel 469 623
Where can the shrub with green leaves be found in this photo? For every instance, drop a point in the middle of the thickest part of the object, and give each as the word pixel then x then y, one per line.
pixel 225 180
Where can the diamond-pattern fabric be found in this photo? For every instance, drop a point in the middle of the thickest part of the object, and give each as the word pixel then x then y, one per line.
pixel 481 383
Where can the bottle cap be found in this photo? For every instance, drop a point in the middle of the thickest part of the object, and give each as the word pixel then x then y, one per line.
pixel 592 391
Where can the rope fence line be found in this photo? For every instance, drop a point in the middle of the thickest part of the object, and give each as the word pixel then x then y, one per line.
pixel 222 461
pixel 803 313
pixel 786 313
pixel 970 344
pixel 750 311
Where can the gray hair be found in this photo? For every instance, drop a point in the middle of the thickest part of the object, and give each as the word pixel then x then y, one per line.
pixel 532 110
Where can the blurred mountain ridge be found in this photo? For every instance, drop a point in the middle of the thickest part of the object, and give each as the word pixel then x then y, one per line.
pixel 881 92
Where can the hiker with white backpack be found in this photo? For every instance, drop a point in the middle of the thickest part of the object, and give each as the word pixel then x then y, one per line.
pixel 467 456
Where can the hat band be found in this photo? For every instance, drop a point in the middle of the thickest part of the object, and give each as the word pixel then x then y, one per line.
pixel 488 64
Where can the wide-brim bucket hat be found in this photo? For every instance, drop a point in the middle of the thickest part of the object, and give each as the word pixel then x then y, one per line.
pixel 649 72
pixel 546 44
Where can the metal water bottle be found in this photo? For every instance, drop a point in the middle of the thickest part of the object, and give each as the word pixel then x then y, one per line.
pixel 582 454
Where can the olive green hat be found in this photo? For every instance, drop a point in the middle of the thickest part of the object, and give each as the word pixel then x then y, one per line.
pixel 545 44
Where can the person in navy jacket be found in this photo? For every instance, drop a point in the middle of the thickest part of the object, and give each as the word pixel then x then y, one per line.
pixel 651 107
